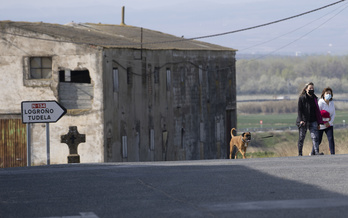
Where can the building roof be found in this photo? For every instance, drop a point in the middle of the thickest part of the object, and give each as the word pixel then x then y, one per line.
pixel 108 36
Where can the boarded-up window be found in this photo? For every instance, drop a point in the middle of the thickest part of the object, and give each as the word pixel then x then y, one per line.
pixel 75 89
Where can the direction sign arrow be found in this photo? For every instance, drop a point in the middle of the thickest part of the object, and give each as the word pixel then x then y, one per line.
pixel 42 111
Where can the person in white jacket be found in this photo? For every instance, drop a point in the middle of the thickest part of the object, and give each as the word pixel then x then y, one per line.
pixel 326 105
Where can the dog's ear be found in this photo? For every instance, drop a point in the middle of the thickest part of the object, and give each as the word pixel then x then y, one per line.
pixel 243 134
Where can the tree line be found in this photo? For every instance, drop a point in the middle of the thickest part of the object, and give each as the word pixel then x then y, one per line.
pixel 287 75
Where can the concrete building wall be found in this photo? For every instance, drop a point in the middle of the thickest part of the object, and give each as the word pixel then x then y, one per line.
pixel 16 87
pixel 172 107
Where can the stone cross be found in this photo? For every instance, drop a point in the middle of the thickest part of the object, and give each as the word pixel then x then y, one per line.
pixel 73 138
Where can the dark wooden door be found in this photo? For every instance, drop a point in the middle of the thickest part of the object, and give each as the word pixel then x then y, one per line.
pixel 13 143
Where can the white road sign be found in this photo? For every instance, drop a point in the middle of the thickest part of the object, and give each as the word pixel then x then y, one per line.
pixel 42 111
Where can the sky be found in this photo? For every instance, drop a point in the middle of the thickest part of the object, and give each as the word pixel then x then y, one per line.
pixel 321 32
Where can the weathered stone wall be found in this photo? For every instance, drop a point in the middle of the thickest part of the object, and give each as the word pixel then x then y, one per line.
pixel 187 117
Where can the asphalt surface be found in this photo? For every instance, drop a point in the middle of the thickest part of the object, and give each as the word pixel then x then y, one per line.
pixel 314 186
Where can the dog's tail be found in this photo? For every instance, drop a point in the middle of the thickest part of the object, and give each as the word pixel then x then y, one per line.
pixel 232 131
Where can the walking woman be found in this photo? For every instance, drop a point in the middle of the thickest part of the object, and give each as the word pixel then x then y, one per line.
pixel 308 117
pixel 327 109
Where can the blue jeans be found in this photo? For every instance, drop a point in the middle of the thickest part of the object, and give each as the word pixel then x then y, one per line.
pixel 313 129
pixel 330 138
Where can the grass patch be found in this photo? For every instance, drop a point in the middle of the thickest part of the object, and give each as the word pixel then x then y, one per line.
pixel 258 154
pixel 284 144
pixel 268 120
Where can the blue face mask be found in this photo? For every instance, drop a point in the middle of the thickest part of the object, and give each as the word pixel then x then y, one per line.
pixel 327 97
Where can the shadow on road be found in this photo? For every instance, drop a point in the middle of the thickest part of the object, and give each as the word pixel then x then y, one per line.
pixel 112 190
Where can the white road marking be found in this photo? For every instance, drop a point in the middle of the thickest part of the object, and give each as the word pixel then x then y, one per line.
pixel 279 204
pixel 82 215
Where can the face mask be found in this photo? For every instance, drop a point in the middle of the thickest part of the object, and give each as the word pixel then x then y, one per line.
pixel 310 92
pixel 327 97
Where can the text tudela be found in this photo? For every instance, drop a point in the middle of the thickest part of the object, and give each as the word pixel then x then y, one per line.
pixel 39 117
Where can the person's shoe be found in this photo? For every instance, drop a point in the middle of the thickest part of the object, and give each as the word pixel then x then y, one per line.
pixel 299 154
pixel 319 153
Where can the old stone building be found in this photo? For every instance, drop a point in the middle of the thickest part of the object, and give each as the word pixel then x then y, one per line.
pixel 137 94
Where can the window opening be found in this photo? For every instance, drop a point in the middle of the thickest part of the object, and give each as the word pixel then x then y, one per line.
pixel 168 79
pixel 124 147
pixel 156 75
pixel 74 76
pixel 200 74
pixel 182 74
pixel 152 139
pixel 115 79
pixel 129 75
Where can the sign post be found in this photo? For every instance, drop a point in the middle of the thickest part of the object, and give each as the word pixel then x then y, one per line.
pixel 41 112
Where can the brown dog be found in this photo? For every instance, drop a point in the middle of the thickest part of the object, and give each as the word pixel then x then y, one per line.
pixel 241 142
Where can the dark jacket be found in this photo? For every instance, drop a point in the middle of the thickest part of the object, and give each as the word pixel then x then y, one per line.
pixel 303 113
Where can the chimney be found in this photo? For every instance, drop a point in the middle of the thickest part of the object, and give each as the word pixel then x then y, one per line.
pixel 122 22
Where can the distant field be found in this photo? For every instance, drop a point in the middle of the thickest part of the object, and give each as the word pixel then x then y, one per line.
pixel 271 143
pixel 338 96
pixel 245 121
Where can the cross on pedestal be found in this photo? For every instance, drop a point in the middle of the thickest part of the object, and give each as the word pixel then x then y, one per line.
pixel 73 138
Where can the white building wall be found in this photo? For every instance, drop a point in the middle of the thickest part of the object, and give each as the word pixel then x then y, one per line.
pixel 13 50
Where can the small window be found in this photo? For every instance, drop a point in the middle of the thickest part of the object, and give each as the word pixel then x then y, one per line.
pixel 40 68
pixel 124 147
pixel 156 75
pixel 129 75
pixel 200 74
pixel 74 76
pixel 143 72
pixel 182 74
pixel 115 79
pixel 168 79
pixel 152 139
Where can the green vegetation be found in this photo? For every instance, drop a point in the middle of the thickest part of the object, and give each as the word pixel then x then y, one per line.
pixel 284 144
pixel 258 154
pixel 268 120
pixel 287 75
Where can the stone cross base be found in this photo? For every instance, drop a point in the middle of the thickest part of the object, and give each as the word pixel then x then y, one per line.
pixel 74 158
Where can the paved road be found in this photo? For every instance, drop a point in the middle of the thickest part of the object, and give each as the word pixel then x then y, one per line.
pixel 270 187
